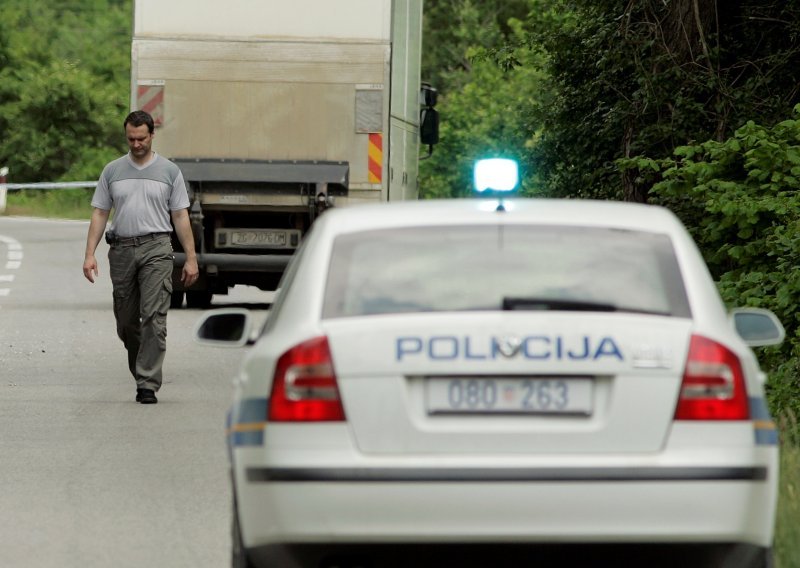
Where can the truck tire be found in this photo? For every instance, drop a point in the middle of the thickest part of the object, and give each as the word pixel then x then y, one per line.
pixel 176 300
pixel 198 299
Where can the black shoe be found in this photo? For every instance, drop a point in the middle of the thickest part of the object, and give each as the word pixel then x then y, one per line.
pixel 146 396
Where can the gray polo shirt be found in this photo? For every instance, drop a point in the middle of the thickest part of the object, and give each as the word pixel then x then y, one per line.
pixel 142 196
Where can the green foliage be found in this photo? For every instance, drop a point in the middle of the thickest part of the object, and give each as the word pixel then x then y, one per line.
pixel 740 199
pixel 787 527
pixel 63 87
pixel 482 106
pixel 582 123
pixel 641 78
pixel 65 124
pixel 59 204
pixel 454 27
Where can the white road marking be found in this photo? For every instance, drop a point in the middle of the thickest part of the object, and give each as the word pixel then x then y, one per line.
pixel 14 256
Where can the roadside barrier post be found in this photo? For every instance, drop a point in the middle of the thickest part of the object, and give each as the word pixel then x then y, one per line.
pixel 3 174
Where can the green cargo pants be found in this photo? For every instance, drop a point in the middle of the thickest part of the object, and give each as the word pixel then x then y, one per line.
pixel 141 273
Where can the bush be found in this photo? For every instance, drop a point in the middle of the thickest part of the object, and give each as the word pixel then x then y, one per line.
pixel 740 199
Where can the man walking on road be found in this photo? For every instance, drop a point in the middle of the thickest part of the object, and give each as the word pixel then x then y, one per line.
pixel 145 191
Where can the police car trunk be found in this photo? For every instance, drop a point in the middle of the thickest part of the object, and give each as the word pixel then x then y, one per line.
pixel 514 339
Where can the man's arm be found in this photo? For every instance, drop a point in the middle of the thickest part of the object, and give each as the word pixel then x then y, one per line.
pixel 183 228
pixel 97 225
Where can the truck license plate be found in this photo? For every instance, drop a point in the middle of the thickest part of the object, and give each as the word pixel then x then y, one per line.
pixel 258 238
pixel 507 395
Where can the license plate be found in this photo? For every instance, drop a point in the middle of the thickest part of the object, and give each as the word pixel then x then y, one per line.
pixel 258 238
pixel 508 395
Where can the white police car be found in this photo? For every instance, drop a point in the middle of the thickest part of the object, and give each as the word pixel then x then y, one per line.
pixel 458 383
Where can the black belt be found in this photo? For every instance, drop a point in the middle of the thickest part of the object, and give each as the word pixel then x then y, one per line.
pixel 135 241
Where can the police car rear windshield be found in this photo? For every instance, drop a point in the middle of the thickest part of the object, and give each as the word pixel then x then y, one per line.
pixel 465 268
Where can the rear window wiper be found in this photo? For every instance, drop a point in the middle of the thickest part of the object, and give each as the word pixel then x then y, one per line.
pixel 556 304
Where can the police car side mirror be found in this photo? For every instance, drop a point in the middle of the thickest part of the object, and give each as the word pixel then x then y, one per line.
pixel 226 327
pixel 758 327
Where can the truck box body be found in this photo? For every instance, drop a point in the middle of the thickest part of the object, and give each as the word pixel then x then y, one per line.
pixel 265 104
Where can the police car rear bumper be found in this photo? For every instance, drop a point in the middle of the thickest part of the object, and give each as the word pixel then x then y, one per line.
pixel 692 505
pixel 500 555
pixel 484 474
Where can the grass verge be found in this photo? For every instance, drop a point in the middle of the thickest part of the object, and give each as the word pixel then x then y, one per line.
pixel 787 529
pixel 72 203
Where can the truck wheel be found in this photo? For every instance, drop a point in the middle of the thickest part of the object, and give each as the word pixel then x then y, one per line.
pixel 176 301
pixel 198 299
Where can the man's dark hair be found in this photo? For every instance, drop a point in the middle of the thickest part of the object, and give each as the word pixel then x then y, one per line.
pixel 138 118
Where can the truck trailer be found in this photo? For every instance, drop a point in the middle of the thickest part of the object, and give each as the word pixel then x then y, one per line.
pixel 275 111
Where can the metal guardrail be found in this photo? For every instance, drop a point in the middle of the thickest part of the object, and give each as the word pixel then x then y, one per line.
pixel 49 185
pixel 263 262
pixel 6 187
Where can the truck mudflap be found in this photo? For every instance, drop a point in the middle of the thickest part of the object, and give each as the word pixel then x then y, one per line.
pixel 260 262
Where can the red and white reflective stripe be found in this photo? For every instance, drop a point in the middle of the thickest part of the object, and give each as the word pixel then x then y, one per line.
pixel 375 166
pixel 150 98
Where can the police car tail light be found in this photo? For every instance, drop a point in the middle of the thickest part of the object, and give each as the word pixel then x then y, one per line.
pixel 713 385
pixel 304 388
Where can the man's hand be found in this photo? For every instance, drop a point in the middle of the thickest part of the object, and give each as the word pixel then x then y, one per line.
pixel 96 226
pixel 90 268
pixel 190 272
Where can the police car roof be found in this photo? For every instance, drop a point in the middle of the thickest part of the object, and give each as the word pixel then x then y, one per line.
pixel 577 212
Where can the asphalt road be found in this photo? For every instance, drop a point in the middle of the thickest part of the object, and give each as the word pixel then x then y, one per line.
pixel 89 477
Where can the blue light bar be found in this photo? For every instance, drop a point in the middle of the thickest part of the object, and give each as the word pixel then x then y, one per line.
pixel 496 174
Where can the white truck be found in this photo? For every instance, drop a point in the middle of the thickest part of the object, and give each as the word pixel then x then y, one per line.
pixel 275 111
